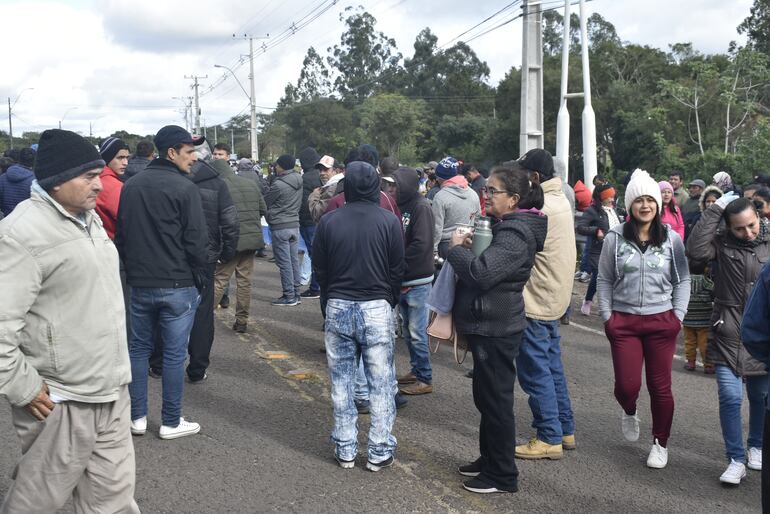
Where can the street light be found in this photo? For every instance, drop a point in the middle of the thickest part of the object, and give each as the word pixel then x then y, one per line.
pixel 65 114
pixel 10 110
pixel 254 141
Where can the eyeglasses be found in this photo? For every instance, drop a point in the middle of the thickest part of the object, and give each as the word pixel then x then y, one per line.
pixel 491 191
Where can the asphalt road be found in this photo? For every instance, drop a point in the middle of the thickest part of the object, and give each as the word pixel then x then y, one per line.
pixel 264 444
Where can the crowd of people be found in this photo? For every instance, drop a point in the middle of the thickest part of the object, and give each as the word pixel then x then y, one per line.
pixel 113 263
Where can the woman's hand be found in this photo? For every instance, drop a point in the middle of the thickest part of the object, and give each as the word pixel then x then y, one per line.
pixel 465 240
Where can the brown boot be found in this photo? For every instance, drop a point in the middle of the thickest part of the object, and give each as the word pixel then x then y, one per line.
pixel 409 378
pixel 240 327
pixel 417 388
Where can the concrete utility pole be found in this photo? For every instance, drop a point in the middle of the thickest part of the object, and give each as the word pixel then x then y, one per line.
pixel 531 125
pixel 195 78
pixel 215 135
pixel 589 118
pixel 10 114
pixel 252 100
pixel 562 120
pixel 232 141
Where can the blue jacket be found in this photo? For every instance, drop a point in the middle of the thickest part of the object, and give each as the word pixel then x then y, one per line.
pixel 755 327
pixel 14 187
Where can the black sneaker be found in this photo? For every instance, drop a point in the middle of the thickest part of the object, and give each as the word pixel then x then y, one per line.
pixel 475 485
pixel 298 298
pixel 199 381
pixel 311 293
pixel 155 373
pixel 362 406
pixel 239 327
pixel 400 401
pixel 285 301
pixel 224 302
pixel 375 467
pixel 345 464
pixel 469 374
pixel 261 254
pixel 471 470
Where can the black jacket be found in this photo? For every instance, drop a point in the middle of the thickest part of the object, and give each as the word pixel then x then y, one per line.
pixel 311 179
pixel 358 249
pixel 417 220
pixel 488 298
pixel 135 165
pixel 221 216
pixel 161 231
pixel 594 218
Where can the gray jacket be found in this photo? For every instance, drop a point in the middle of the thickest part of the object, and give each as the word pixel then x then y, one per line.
pixel 283 201
pixel 451 206
pixel 642 283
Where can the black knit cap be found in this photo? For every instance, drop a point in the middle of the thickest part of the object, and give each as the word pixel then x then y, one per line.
pixel 63 155
pixel 110 148
pixel 286 162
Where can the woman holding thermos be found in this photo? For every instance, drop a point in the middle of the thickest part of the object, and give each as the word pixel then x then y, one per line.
pixel 489 312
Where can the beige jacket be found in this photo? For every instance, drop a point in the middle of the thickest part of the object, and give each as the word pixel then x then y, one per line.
pixel 62 318
pixel 549 289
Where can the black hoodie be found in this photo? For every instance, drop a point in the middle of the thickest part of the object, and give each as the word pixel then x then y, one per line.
pixel 417 220
pixel 311 179
pixel 358 249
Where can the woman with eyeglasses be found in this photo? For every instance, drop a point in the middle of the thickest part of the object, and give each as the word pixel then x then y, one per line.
pixel 489 312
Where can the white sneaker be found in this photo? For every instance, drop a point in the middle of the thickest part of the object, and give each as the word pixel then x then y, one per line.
pixel 755 459
pixel 630 426
pixel 734 473
pixel 658 456
pixel 139 427
pixel 184 428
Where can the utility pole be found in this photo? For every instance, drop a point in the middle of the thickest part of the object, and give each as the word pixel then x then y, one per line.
pixel 195 78
pixel 232 141
pixel 562 120
pixel 589 118
pixel 10 123
pixel 216 140
pixel 204 128
pixel 531 125
pixel 252 100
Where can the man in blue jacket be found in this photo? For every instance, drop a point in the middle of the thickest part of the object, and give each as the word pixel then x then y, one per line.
pixel 16 182
pixel 755 334
pixel 358 259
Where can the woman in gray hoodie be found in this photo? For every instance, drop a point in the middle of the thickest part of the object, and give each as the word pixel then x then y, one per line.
pixel 644 288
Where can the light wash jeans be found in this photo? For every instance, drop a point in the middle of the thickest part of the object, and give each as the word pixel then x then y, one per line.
pixel 172 311
pixel 286 255
pixel 730 400
pixel 353 331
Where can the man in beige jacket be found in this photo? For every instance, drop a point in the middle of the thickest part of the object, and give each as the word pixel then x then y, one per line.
pixel 64 363
pixel 546 298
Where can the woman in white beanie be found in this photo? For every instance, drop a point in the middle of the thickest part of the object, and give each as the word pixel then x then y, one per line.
pixel 644 288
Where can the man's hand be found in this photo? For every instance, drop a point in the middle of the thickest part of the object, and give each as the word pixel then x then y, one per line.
pixel 42 405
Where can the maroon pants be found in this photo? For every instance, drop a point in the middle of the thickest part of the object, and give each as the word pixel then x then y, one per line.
pixel 648 340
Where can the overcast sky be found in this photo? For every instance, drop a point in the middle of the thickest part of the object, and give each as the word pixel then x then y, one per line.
pixel 116 64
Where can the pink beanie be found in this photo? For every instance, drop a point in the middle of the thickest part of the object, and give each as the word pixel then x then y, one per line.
pixel 665 185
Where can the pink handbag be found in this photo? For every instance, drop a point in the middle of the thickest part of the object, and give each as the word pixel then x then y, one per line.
pixel 441 329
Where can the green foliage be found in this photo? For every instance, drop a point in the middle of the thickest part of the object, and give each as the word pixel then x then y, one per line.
pixel 390 121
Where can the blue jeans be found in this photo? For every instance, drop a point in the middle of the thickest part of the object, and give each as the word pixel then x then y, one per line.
pixel 585 260
pixel 172 311
pixel 414 312
pixel 286 256
pixel 362 330
pixel 730 400
pixel 541 376
pixel 308 233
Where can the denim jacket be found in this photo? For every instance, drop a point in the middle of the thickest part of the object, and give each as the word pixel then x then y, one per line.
pixel 643 283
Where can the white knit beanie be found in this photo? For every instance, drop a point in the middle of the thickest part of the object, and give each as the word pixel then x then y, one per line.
pixel 642 184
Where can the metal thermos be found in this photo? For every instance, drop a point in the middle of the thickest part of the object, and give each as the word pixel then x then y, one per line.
pixel 482 235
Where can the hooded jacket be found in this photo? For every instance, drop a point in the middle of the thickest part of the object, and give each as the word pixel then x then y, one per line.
pixel 737 271
pixel 387 202
pixel 14 187
pixel 135 165
pixel 220 213
pixel 161 232
pixel 358 249
pixel 549 290
pixel 63 320
pixel 418 224
pixel 594 218
pixel 283 199
pixel 311 179
pixel 108 201
pixel 489 298
pixel 455 203
pixel 642 283
pixel 249 205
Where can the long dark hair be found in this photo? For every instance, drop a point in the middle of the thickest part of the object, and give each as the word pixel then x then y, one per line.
pixel 515 178
pixel 658 233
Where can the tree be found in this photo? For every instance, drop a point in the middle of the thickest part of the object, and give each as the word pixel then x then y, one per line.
pixel 390 121
pixel 757 26
pixel 314 79
pixel 362 56
pixel 742 86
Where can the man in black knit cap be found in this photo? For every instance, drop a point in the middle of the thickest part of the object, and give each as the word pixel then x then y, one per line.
pixel 64 364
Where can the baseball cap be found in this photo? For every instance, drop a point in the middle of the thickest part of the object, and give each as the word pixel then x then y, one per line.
pixel 326 161
pixel 172 135
pixel 697 182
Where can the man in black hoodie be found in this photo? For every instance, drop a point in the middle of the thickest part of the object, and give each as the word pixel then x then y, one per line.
pixel 311 179
pixel 358 259
pixel 417 220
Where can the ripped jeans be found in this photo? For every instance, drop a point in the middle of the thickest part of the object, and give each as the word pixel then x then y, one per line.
pixel 362 330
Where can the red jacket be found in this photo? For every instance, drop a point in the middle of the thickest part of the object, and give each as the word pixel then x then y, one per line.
pixel 386 202
pixel 108 200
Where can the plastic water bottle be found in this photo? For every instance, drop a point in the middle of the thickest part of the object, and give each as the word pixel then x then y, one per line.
pixel 482 235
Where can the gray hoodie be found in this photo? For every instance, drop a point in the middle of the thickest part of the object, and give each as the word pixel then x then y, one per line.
pixel 642 283
pixel 452 205
pixel 283 201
